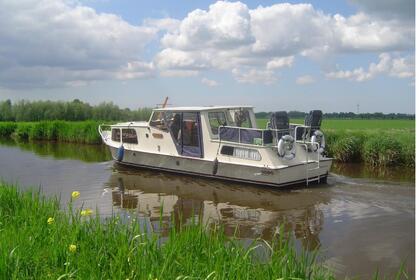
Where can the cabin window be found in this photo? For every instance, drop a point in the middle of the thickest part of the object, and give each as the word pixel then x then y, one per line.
pixel 129 136
pixel 158 121
pixel 116 135
pixel 190 128
pixel 227 150
pixel 243 153
pixel 241 118
pixel 217 119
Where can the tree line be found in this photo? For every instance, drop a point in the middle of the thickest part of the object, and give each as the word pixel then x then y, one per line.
pixel 76 110
pixel 344 115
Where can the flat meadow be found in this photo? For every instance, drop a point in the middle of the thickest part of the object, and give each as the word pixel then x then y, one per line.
pixel 356 124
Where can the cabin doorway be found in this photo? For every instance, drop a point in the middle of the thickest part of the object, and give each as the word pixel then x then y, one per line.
pixel 185 129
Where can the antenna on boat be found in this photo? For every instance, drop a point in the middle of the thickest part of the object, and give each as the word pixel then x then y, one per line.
pixel 164 104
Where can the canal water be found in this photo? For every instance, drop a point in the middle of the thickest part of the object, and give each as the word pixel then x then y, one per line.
pixel 361 221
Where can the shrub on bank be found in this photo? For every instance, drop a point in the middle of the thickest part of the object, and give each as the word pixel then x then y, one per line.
pixel 384 151
pixel 40 241
pixel 373 148
pixel 346 148
pixel 7 128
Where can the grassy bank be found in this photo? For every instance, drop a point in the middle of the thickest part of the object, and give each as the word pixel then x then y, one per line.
pixel 375 148
pixel 76 132
pixel 374 142
pixel 40 241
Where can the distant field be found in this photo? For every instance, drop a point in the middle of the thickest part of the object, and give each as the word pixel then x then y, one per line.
pixel 356 124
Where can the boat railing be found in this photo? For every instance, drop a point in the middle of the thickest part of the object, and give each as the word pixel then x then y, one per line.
pixel 251 136
pixel 300 132
pixel 104 131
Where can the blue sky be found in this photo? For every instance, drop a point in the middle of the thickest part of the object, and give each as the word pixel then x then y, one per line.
pixel 329 55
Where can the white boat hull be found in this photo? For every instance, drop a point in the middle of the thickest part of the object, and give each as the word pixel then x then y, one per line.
pixel 290 175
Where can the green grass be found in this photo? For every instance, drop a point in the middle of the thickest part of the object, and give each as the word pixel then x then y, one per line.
pixel 373 147
pixel 356 124
pixel 76 132
pixel 31 248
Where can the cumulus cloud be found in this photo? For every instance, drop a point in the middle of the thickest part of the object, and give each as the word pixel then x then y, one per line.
pixel 54 43
pixel 305 80
pixel 280 62
pixel 209 83
pixel 164 24
pixel 46 43
pixel 225 25
pixel 399 67
pixel 254 76
pixel 255 43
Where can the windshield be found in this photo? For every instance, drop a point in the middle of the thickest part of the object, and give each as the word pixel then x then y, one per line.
pixel 240 117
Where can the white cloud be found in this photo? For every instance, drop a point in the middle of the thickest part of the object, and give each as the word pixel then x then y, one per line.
pixel 136 70
pixel 168 24
pixel 225 25
pixel 305 80
pixel 50 43
pixel 53 43
pixel 253 76
pixel 280 62
pixel 209 83
pixel 400 67
pixel 231 36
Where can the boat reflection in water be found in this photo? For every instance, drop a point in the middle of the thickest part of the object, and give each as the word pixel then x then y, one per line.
pixel 245 211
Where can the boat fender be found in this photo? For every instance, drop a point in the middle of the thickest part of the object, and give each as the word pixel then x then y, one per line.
pixel 215 166
pixel 120 153
pixel 319 138
pixel 286 147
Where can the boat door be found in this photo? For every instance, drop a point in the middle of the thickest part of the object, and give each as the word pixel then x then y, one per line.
pixel 187 133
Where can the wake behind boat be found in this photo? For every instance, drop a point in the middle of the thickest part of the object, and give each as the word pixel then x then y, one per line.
pixel 223 142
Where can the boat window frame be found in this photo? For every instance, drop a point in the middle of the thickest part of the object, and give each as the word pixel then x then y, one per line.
pixel 231 148
pixel 165 127
pixel 135 133
pixel 112 134
pixel 213 135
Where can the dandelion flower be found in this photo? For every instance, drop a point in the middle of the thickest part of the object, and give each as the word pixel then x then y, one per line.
pixel 72 248
pixel 50 220
pixel 75 194
pixel 86 212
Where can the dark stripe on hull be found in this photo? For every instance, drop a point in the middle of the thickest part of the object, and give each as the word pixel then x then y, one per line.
pixel 224 178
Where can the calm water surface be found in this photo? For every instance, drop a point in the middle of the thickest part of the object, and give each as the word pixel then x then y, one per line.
pixel 362 220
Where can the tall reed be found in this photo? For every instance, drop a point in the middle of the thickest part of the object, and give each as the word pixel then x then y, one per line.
pixel 390 148
pixel 77 132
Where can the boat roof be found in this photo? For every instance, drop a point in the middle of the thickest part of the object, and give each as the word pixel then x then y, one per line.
pixel 200 109
pixel 128 124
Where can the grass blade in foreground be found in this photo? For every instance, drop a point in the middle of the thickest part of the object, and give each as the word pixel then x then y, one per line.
pixel 40 241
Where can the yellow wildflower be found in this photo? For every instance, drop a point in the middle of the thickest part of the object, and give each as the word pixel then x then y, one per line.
pixel 75 194
pixel 86 212
pixel 50 220
pixel 72 248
